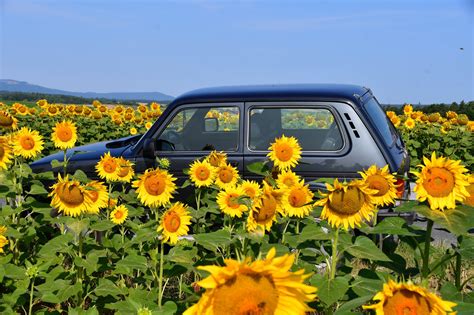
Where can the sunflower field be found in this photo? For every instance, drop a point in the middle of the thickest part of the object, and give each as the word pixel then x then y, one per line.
pixel 130 244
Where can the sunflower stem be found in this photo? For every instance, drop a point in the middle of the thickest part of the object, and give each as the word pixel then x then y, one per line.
pixel 65 163
pixel 32 288
pixel 79 269
pixel 284 232
pixel 334 255
pixel 198 206
pixel 425 270
pixel 160 277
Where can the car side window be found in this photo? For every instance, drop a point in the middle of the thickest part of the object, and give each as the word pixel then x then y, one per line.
pixel 203 129
pixel 315 128
pixel 380 120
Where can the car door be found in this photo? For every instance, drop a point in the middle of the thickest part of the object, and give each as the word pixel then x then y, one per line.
pixel 192 131
pixel 319 128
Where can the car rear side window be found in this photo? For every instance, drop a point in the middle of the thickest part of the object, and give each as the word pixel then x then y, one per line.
pixel 380 120
pixel 315 128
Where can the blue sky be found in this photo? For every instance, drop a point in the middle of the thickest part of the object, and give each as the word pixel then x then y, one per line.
pixel 405 51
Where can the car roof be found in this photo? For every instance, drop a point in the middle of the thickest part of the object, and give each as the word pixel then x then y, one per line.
pixel 274 92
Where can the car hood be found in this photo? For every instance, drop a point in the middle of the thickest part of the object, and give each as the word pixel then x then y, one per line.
pixel 89 152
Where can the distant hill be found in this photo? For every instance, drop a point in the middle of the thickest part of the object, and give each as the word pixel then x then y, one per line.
pixel 22 86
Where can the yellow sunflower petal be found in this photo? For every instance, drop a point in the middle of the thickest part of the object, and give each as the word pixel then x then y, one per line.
pixel 259 287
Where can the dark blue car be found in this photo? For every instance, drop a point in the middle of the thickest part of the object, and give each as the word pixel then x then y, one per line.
pixel 342 130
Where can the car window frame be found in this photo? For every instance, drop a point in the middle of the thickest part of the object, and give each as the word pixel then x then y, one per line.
pixel 181 107
pixel 299 104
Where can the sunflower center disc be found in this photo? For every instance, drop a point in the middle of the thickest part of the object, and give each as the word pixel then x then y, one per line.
pixel 284 152
pixel 349 202
pixel 438 182
pixel 225 176
pixel 378 182
pixel 232 201
pixel 6 121
pixel 123 171
pixel 405 302
pixel 202 173
pixel 297 197
pixel 267 210
pixel 71 195
pixel 94 195
pixel 65 135
pixel 27 142
pixel 110 166
pixel 172 222
pixel 2 151
pixel 246 294
pixel 155 185
pixel 118 214
pixel 53 110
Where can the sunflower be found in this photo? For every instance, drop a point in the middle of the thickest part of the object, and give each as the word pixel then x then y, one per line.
pixel 133 131
pixel 442 181
pixel 264 286
pixel 296 200
pixel 5 153
pixel 287 179
pixel 125 170
pixel 409 123
pixel 228 201
pixel 148 125
pixel 395 121
pixel 155 187
pixel 347 204
pixel 119 214
pixel 27 143
pixel 52 110
pixel 119 109
pixel 8 121
pixel 102 109
pixel 285 152
pixel 42 103
pixel 69 197
pixel 251 188
pixel 3 242
pixel 155 106
pixel 108 167
pixel 216 158
pixel 142 108
pixel 202 173
pixel 264 209
pixel 408 298
pixel 174 223
pixel 383 182
pixel 3 239
pixel 226 175
pixel 98 196
pixel 407 109
pixel 470 189
pixel 64 135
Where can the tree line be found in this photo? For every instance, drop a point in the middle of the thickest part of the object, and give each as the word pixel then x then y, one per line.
pixel 57 98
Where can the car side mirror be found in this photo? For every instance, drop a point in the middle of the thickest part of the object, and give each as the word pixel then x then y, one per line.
pixel 149 148
pixel 211 124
